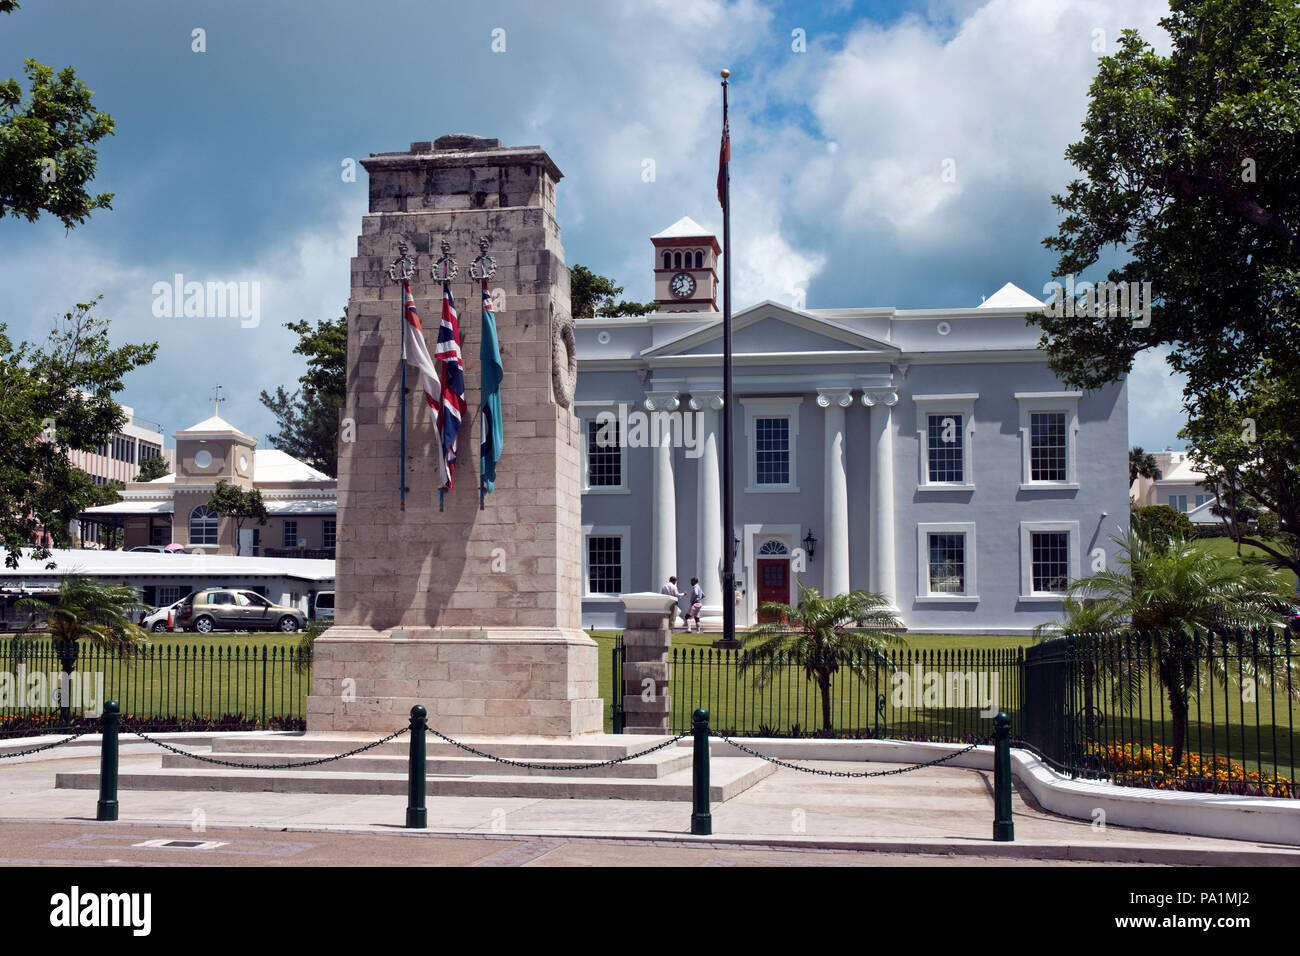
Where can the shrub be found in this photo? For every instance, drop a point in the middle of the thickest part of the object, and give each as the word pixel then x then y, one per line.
pixel 1159 524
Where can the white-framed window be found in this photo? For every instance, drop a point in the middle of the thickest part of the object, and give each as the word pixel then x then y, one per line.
pixel 169 594
pixel 945 562
pixel 327 534
pixel 604 449
pixel 1178 502
pixel 945 426
pixel 772 433
pixel 1049 559
pixel 203 525
pixel 1202 499
pixel 606 554
pixel 1049 429
pixel 289 537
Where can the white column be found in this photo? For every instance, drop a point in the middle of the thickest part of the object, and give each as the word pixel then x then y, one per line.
pixel 835 493
pixel 881 402
pixel 663 538
pixel 708 513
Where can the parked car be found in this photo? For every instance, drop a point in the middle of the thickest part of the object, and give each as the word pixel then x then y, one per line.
pixel 156 548
pixel 156 620
pixel 231 609
pixel 324 606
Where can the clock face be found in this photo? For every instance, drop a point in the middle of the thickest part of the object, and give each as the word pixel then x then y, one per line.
pixel 682 285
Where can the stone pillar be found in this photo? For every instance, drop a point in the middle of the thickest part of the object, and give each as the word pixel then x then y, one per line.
pixel 708 510
pixel 474 614
pixel 663 537
pixel 881 402
pixel 835 493
pixel 647 639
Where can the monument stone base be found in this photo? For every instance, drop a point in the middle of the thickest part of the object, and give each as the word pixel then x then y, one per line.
pixel 519 681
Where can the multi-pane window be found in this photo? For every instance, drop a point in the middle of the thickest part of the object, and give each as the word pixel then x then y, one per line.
pixel 327 533
pixel 203 525
pixel 290 536
pixel 947 563
pixel 1050 568
pixel 944 444
pixel 160 535
pixel 604 564
pixel 1047 446
pixel 772 451
pixel 168 594
pixel 604 454
pixel 1202 499
pixel 1178 502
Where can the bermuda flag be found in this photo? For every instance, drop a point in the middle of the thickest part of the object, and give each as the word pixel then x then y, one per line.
pixel 490 363
pixel 416 354
pixel 447 351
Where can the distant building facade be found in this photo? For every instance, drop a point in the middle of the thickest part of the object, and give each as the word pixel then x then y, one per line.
pixel 1180 486
pixel 300 501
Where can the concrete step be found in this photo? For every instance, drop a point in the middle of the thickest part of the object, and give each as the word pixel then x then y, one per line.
pixel 649 767
pixel 590 747
pixel 727 779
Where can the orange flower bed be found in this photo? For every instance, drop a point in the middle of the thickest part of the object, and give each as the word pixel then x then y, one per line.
pixel 1130 765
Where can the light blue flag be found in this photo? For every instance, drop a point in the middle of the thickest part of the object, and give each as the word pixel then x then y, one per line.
pixel 490 363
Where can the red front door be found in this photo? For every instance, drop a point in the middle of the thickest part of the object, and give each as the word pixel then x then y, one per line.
pixel 773 583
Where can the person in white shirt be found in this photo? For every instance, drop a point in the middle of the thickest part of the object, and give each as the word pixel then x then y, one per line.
pixel 671 590
pixel 697 602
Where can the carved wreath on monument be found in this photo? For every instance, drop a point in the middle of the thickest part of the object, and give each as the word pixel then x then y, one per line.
pixel 564 359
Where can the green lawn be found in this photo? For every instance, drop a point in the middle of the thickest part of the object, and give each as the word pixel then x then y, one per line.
pixel 1227 546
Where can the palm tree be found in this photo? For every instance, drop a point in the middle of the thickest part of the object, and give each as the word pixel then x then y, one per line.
pixel 1142 463
pixel 821 634
pixel 1171 590
pixel 87 610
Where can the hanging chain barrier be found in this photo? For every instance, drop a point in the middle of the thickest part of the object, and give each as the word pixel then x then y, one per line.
pixel 36 750
pixel 265 766
pixel 844 773
pixel 556 766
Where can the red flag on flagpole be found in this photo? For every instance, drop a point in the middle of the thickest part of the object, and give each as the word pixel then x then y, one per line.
pixel 724 158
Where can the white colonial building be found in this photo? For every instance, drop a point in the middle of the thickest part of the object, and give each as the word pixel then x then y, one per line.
pixel 929 455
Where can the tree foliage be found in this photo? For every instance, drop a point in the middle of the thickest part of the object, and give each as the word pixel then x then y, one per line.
pixel 1160 524
pixel 594 295
pixel 231 501
pixel 308 418
pixel 1191 164
pixel 53 400
pixel 47 156
pixel 153 468
pixel 1141 462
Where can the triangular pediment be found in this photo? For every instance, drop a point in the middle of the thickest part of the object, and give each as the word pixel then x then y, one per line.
pixel 771 328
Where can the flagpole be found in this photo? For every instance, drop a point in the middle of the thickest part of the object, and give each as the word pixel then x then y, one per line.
pixel 728 505
pixel 400 271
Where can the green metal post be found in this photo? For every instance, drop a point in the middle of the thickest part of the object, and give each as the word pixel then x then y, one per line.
pixel 1004 830
pixel 701 819
pixel 106 809
pixel 416 815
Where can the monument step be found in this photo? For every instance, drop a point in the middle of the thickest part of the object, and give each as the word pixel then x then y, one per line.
pixel 587 747
pixel 649 767
pixel 727 779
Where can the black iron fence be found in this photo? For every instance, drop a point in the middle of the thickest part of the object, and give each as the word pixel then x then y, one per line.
pixel 1205 712
pixel 217 685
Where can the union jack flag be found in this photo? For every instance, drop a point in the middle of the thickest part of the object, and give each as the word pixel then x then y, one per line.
pixel 447 351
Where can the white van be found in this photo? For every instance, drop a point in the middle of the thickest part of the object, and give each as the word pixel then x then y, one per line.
pixel 323 610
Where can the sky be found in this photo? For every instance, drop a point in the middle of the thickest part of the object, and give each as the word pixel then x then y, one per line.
pixel 229 163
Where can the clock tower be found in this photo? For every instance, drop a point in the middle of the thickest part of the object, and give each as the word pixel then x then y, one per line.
pixel 686 268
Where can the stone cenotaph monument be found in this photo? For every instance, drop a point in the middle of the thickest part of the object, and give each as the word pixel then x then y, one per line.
pixel 472 613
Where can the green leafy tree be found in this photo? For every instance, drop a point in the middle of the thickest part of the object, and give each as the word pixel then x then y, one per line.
pixel 1191 164
pixel 231 501
pixel 1248 445
pixel 1142 463
pixel 85 610
pixel 47 138
pixel 1170 591
pixel 52 400
pixel 592 295
pixel 153 468
pixel 308 418
pixel 823 635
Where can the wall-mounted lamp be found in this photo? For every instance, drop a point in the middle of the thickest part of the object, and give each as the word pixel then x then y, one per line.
pixel 810 543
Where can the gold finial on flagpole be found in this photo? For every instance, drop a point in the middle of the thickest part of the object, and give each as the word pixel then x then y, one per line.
pixel 726 73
